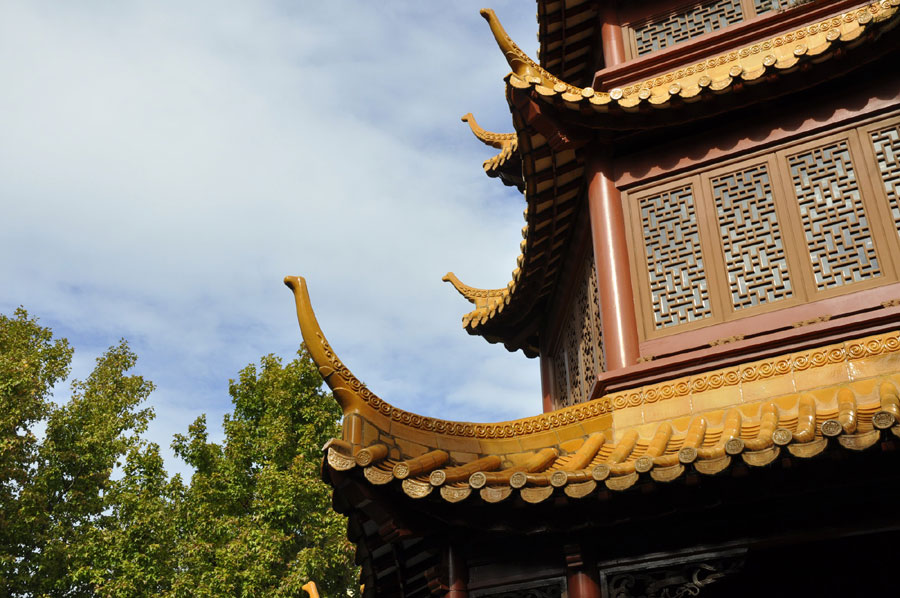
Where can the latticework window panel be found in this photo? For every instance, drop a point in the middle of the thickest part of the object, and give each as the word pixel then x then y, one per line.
pixel 755 259
pixel 887 152
pixel 678 285
pixel 763 6
pixel 686 24
pixel 579 358
pixel 837 231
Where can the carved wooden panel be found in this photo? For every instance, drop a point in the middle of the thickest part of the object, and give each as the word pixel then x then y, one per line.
pixel 561 382
pixel 835 224
pixel 686 24
pixel 579 357
pixel 672 578
pixel 887 155
pixel 754 251
pixel 571 341
pixel 678 286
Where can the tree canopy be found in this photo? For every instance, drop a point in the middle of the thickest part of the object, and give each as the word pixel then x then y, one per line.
pixel 88 509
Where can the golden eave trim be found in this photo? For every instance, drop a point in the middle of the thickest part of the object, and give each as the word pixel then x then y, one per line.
pixel 717 73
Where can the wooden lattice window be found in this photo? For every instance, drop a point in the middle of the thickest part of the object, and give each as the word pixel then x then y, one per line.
pixel 835 224
pixel 578 358
pixel 802 223
pixel 686 24
pixel 886 143
pixel 678 287
pixel 754 252
pixel 675 23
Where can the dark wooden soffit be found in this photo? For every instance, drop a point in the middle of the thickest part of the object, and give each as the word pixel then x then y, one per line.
pixel 568 33
pixel 552 165
pixel 788 502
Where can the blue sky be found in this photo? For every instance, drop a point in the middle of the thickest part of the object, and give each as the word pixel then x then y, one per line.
pixel 164 165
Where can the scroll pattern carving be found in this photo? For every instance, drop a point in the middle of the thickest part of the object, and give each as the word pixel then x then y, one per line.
pixel 887 154
pixel 840 242
pixel 672 582
pixel 751 237
pixel 687 24
pixel 678 284
pixel 579 358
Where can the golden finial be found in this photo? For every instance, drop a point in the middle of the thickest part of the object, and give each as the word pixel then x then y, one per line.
pixel 498 140
pixel 519 62
pixel 311 589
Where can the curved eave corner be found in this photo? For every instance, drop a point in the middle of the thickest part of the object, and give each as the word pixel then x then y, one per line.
pixel 796 406
pixel 552 176
pixel 506 165
pixel 488 302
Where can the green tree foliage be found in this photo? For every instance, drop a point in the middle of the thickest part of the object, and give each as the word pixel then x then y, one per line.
pixel 256 519
pixel 88 509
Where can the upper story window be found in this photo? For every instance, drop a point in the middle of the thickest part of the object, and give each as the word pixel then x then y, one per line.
pixel 683 22
pixel 806 222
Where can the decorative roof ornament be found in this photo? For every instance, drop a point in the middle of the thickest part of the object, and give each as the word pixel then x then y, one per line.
pixel 483 299
pixel 524 69
pixel 311 589
pixel 489 138
pixel 507 165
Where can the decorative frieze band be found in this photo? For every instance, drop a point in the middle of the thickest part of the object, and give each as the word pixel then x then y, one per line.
pixel 760 370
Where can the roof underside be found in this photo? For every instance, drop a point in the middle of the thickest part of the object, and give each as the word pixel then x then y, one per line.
pixel 569 33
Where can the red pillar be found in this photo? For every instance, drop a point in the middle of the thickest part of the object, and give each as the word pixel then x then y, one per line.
pixel 620 339
pixel 611 34
pixel 457 574
pixel 546 386
pixel 617 316
pixel 582 583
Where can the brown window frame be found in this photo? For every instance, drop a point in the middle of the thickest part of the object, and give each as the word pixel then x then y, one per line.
pixel 805 291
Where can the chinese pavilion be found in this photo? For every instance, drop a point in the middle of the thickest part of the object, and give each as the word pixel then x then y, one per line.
pixel 710 278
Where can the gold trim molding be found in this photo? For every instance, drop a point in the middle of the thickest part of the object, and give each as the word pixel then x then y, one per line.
pixel 760 370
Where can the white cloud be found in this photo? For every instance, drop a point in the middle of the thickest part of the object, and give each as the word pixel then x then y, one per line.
pixel 164 165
